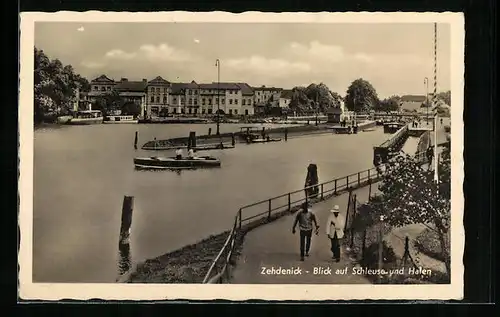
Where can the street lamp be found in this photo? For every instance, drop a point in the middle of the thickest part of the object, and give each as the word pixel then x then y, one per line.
pixel 426 83
pixel 217 63
pixel 317 107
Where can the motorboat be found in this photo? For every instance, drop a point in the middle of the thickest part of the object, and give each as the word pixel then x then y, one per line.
pixel 86 117
pixel 155 162
pixel 120 119
pixel 260 140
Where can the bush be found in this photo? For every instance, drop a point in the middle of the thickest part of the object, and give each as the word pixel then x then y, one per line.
pixel 428 243
pixel 370 258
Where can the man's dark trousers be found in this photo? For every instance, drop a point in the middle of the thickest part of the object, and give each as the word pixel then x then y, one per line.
pixel 335 247
pixel 305 241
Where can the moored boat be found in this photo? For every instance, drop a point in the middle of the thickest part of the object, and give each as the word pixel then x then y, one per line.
pixel 120 119
pixel 86 117
pixel 260 140
pixel 164 145
pixel 155 162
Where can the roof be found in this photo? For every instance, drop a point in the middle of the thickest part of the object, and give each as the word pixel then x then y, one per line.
pixel 178 88
pixel 208 86
pixel 192 85
pixel 158 81
pixel 334 110
pixel 131 85
pixel 413 98
pixel 286 93
pixel 267 88
pixel 246 90
pixel 102 79
pixel 227 86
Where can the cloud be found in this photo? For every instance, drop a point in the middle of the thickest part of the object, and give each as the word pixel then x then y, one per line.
pixel 270 66
pixel 317 50
pixel 92 65
pixel 153 53
pixel 120 55
pixel 196 41
pixel 81 29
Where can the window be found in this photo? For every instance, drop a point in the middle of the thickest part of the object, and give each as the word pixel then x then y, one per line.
pixel 175 100
pixel 222 101
pixel 164 99
pixel 175 110
pixel 243 102
pixel 183 110
pixel 109 88
pixel 202 111
pixel 230 111
pixel 166 110
pixel 103 89
pixel 190 101
pixel 209 111
pixel 235 101
pixel 152 99
pixel 96 88
pixel 230 101
pixel 195 101
pixel 210 101
pixel 246 112
pixel 195 110
pixel 203 101
pixel 189 110
pixel 157 99
pixel 235 111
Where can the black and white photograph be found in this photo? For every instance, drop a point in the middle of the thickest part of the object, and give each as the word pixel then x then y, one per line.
pixel 283 156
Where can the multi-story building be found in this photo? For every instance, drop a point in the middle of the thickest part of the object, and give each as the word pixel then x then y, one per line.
pixel 247 99
pixel 266 96
pixel 285 99
pixel 177 98
pixel 158 92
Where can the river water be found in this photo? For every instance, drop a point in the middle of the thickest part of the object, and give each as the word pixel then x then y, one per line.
pixel 81 174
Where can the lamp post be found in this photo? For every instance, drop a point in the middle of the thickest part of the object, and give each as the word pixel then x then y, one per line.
pixel 426 83
pixel 317 107
pixel 217 63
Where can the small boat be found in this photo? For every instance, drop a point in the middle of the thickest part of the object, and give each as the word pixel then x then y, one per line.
pixel 155 162
pixel 260 140
pixel 86 117
pixel 163 145
pixel 120 119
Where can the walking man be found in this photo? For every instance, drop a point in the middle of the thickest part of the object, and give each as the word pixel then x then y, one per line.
pixel 430 155
pixel 305 219
pixel 335 231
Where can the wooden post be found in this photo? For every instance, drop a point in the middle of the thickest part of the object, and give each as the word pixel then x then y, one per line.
pixel 209 131
pixel 125 261
pixel 263 132
pixel 286 134
pixel 347 182
pixel 269 211
pixel 369 175
pixel 239 215
pixel 321 191
pixel 359 180
pixel 126 221
pixel 289 203
pixel 233 141
pixel 369 189
pixel 335 191
pixel 192 139
pixel 380 250
pixel 136 139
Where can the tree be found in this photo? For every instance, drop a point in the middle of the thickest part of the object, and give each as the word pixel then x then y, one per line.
pixel 389 104
pixel 361 96
pixel 111 101
pixel 55 86
pixel 445 96
pixel 410 195
pixel 131 109
pixel 315 97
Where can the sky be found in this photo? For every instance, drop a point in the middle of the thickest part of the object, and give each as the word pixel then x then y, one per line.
pixel 394 58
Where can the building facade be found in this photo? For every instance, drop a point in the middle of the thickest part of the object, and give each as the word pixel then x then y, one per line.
pixel 285 99
pixel 264 96
pixel 158 97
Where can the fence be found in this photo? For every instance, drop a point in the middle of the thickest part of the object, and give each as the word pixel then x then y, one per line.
pixel 269 209
pixel 264 211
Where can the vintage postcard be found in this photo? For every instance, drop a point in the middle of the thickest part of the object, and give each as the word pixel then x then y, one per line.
pixel 274 156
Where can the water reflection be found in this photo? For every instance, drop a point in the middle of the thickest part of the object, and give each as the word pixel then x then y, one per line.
pixel 124 263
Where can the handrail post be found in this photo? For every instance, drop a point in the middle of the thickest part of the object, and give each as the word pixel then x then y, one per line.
pixel 369 174
pixel 289 203
pixel 347 181
pixel 359 179
pixel 269 211
pixel 239 215
pixel 335 191
pixel 321 191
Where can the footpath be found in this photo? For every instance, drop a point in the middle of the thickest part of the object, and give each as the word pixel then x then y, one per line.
pixel 274 246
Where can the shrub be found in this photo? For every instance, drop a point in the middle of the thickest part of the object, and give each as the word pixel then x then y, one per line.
pixel 370 258
pixel 428 243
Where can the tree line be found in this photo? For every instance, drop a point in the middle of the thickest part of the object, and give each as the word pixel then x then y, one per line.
pixel 55 91
pixel 361 96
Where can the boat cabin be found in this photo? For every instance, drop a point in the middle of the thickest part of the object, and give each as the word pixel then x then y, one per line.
pixel 88 114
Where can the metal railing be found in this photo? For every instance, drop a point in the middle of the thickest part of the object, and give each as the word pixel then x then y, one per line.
pixel 264 210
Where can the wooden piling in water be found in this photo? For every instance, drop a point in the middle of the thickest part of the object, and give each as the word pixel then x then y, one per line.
pixel 136 139
pixel 126 221
pixel 192 140
pixel 233 141
pixel 209 131
pixel 286 134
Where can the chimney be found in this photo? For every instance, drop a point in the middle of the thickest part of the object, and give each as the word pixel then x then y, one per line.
pixel 124 79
